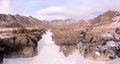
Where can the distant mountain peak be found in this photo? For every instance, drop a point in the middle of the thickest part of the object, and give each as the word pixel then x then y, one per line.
pixel 110 13
pixel 104 18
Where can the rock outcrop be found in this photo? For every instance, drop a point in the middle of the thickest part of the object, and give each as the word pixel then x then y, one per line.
pixel 1 54
pixel 20 45
pixel 105 47
pixel 98 46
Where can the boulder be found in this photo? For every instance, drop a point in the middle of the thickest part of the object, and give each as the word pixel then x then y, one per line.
pixel 100 56
pixel 2 52
pixel 21 45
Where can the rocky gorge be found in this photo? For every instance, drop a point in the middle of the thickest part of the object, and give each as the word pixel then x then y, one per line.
pixel 97 39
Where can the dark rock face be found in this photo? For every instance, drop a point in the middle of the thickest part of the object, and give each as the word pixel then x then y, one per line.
pixel 3 49
pixel 1 56
pixel 20 46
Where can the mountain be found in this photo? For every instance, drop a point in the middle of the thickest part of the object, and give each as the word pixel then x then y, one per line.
pixel 17 20
pixel 108 18
pixel 69 23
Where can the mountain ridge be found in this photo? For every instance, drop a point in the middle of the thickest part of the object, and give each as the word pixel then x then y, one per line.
pixel 109 18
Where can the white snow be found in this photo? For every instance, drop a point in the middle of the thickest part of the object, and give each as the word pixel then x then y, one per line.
pixel 48 53
pixel 116 19
pixel 97 53
pixel 114 24
pixel 111 44
pixel 6 35
pixel 117 36
pixel 108 35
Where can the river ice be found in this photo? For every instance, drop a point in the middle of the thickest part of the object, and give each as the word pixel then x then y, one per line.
pixel 48 53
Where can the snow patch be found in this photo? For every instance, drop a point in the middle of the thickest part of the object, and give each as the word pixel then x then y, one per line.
pixel 112 44
pixel 97 53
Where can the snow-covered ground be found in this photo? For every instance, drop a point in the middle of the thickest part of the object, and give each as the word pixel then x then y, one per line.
pixel 6 35
pixel 48 53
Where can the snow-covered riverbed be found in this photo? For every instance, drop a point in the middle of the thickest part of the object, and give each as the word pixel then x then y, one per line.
pixel 48 53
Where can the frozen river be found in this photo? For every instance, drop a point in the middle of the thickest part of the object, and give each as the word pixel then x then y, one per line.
pixel 48 53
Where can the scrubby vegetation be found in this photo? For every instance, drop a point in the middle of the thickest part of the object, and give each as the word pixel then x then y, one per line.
pixel 64 29
pixel 24 30
pixel 67 39
pixel 89 28
pixel 20 31
pixel 117 30
pixel 66 36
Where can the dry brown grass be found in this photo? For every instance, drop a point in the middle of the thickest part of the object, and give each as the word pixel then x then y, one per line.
pixel 20 31
pixel 25 30
pixel 72 36
pixel 96 36
pixel 66 36
pixel 117 30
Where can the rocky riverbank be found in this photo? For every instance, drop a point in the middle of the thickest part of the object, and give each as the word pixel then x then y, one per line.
pixel 21 45
pixel 98 46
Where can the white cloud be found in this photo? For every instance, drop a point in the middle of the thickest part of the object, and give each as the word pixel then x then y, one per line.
pixel 6 8
pixel 86 10
pixel 59 10
pixel 55 13
pixel 62 12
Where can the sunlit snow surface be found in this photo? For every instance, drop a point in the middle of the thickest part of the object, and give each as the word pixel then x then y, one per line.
pixel 48 53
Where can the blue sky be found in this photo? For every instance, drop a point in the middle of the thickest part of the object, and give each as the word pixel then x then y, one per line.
pixel 58 9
